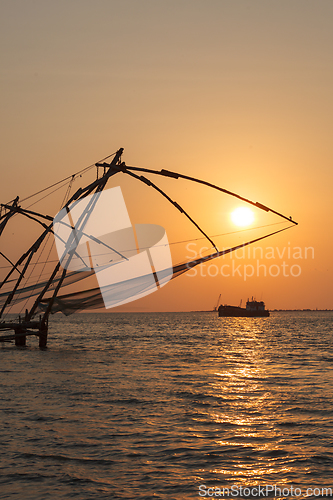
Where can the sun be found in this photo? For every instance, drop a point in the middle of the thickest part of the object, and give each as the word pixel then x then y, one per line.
pixel 242 216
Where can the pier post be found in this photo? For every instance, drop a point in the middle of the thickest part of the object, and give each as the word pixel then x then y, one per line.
pixel 20 340
pixel 42 339
pixel 43 328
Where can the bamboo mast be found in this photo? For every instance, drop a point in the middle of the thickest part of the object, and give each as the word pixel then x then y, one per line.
pixel 98 186
pixel 22 327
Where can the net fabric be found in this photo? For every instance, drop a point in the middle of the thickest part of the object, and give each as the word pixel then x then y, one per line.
pixel 34 290
pixel 93 299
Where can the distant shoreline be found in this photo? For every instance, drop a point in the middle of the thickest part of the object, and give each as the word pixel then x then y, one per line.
pixel 301 310
pixel 278 310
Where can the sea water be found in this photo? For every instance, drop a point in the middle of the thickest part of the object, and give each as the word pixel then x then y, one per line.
pixel 170 406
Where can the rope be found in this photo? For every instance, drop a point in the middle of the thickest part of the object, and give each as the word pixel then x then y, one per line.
pixel 70 184
pixel 66 178
pixel 180 241
pixel 43 198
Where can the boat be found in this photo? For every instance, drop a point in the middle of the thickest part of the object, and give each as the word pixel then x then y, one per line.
pixel 37 280
pixel 253 309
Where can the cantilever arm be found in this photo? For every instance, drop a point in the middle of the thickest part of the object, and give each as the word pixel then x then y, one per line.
pixel 174 203
pixel 176 175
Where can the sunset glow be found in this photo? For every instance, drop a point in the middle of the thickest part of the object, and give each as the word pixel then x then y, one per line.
pixel 237 94
pixel 242 216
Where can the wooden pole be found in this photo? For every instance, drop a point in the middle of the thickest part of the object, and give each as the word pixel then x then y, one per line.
pixel 20 339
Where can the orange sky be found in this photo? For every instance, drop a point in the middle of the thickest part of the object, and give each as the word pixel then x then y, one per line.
pixel 238 93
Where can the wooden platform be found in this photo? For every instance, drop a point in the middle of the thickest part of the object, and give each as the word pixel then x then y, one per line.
pixel 22 330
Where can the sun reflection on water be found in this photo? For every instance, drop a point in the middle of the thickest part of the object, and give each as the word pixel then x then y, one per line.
pixel 244 410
